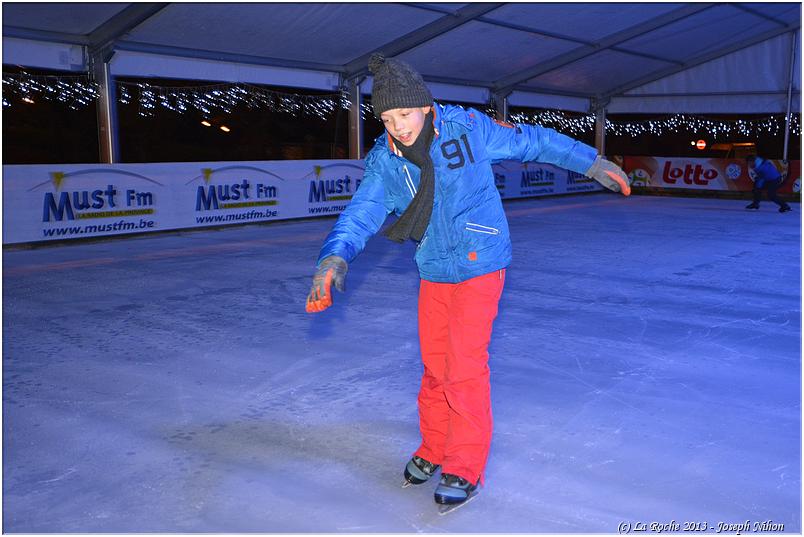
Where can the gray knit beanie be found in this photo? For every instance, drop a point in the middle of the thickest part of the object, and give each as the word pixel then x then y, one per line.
pixel 396 85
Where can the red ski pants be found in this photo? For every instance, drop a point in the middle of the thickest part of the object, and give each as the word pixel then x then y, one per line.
pixel 455 321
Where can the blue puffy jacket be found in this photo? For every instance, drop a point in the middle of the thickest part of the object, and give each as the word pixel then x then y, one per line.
pixel 765 172
pixel 468 232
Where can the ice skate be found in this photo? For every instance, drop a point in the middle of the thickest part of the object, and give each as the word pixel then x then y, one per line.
pixel 453 492
pixel 785 209
pixel 752 206
pixel 418 471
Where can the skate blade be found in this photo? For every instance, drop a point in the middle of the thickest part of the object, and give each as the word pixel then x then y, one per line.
pixel 448 508
pixel 406 484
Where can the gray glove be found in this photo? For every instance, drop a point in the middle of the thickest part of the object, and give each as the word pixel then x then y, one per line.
pixel 609 175
pixel 331 270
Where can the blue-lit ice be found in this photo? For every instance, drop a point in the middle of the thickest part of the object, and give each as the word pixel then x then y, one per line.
pixel 645 367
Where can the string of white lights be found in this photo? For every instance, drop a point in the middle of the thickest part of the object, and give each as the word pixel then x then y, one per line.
pixel 226 97
pixel 557 120
pixel 718 128
pixel 78 91
pixel 678 123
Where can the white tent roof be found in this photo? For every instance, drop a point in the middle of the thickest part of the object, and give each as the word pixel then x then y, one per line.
pixel 642 58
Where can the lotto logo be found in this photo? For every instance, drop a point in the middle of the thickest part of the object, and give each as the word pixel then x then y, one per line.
pixel 689 174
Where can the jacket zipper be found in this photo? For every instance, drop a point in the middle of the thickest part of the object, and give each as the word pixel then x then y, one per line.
pixel 452 254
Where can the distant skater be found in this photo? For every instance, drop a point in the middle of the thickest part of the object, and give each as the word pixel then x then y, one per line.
pixel 767 177
pixel 432 168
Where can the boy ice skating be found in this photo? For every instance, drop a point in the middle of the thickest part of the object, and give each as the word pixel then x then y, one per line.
pixel 432 168
pixel 767 177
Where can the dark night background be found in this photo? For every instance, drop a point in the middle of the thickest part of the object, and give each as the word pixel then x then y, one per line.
pixel 49 132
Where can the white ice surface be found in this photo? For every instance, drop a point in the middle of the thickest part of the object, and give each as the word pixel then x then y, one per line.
pixel 645 367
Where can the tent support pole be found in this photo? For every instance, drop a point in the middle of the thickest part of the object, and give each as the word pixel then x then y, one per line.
pixel 108 135
pixel 600 130
pixel 501 104
pixel 789 96
pixel 355 121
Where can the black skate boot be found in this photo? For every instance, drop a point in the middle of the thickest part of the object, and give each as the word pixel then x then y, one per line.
pixel 753 205
pixel 418 471
pixel 452 492
pixel 785 209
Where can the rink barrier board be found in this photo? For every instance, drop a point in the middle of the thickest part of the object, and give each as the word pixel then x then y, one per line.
pixel 49 202
pixel 704 174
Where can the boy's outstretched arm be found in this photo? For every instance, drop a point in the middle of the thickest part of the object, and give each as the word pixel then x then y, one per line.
pixel 357 223
pixel 536 143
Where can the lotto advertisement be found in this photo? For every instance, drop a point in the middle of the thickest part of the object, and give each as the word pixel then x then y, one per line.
pixel 705 174
pixel 58 202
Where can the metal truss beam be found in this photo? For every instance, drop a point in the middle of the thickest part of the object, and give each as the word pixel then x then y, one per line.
pixel 358 66
pixel 506 84
pixel 698 60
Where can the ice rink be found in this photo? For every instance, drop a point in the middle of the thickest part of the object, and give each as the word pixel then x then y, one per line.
pixel 645 368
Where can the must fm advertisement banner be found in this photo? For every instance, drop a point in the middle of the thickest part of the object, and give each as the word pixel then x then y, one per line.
pixel 58 202
pixel 517 179
pixel 705 173
pixel 47 202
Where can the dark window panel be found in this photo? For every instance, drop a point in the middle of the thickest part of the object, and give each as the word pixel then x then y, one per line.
pixel 48 131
